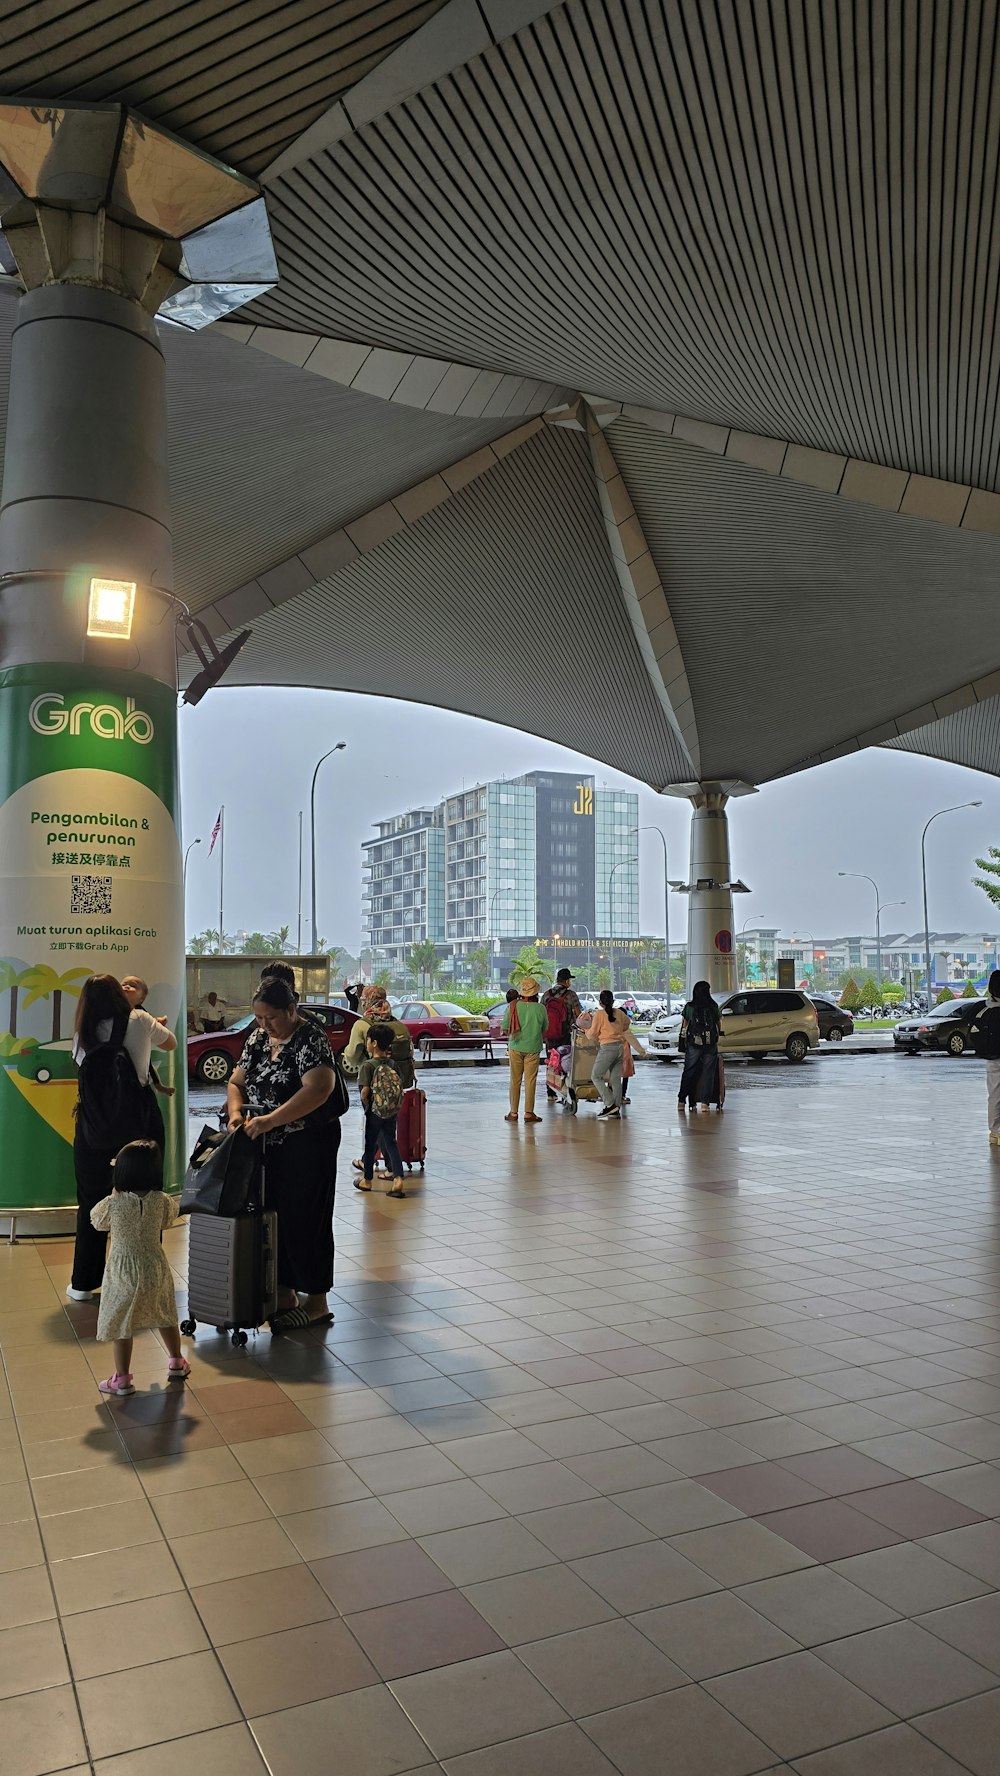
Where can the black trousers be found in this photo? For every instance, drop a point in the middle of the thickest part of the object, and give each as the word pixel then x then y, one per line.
pixel 700 1078
pixel 381 1132
pixel 300 1183
pixel 93 1183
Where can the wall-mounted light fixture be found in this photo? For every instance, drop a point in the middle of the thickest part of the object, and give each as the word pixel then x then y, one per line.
pixel 214 663
pixel 110 609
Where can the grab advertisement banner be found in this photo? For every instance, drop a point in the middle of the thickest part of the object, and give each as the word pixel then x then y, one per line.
pixel 90 883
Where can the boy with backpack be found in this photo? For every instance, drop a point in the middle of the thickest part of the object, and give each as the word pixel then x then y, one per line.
pixel 562 1009
pixel 381 1095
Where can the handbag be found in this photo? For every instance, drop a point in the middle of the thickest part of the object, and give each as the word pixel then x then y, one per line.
pixel 223 1175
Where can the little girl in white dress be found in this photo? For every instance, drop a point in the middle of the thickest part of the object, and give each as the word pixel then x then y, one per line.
pixel 138 1289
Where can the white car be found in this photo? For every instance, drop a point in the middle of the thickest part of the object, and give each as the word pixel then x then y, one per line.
pixel 758 1021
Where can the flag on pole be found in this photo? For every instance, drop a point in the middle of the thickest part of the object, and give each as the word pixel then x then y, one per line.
pixel 217 828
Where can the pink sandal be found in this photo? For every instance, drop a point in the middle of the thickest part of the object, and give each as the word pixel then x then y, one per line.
pixel 117 1384
pixel 178 1369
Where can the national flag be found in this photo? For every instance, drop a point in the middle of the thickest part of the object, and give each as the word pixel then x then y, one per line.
pixel 217 828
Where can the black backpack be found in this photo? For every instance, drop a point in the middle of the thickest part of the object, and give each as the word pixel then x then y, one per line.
pixel 986 1033
pixel 702 1027
pixel 114 1108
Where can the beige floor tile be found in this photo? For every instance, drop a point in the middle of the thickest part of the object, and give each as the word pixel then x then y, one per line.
pixel 16 1504
pixel 67 1455
pixel 366 1730
pixel 25 1596
pixel 676 1507
pixel 277 1455
pixel 973 1627
pixel 231 1553
pixel 41 1732
pixel 600 1667
pixel 896 1751
pixel 368 1578
pixel 452 1504
pixel 590 1527
pixel 99 1529
pixel 300 1665
pixel 210 1507
pixel 308 1489
pixel 486 1551
pixel 20 1546
pixel 223 1751
pixel 575 1436
pixel 621 1470
pixel 703 1739
pixel 31 1658
pixel 90 1487
pixel 798 1704
pixel 738 1553
pixel 261 1603
pixel 373 1436
pixel 123 1576
pixel 539 1487
pixel 968 1731
pixel 976 1549
pixel 492 1453
pixel 188 1472
pixel 978 1487
pixel 339 1529
pixel 710 1635
pixel 907 1669
pixel 526 1606
pixel 909 1578
pixel 816 1605
pixel 130 1634
pixel 643 1576
pixel 476 1703
pixel 192 1692
pixel 557 1751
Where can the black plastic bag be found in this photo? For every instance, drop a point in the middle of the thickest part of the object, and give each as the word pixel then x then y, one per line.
pixel 223 1175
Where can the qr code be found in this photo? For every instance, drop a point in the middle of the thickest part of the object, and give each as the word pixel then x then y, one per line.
pixel 90 894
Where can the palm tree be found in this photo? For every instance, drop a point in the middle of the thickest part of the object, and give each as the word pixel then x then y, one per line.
pixel 423 959
pixel 43 982
pixel 10 981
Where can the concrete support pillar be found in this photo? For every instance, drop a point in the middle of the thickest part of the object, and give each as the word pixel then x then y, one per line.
pixel 90 861
pixel 711 953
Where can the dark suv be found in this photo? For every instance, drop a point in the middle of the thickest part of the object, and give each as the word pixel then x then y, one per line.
pixel 834 1022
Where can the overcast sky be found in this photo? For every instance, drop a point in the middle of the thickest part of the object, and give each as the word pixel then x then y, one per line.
pixel 254 750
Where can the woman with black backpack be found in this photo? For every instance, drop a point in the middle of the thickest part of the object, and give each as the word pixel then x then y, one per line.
pixel 701 1080
pixel 112 1046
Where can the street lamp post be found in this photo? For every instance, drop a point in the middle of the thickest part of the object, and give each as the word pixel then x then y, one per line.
pixel 184 873
pixel 312 834
pixel 859 876
pixel 586 928
pixel 666 900
pixel 923 872
pixel 623 863
pixel 812 942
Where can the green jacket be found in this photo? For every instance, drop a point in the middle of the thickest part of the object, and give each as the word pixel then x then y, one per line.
pixel 532 1018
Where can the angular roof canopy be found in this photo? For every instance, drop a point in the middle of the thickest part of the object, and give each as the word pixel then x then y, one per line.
pixel 646 346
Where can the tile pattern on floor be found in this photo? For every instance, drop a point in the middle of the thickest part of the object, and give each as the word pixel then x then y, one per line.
pixel 623 1437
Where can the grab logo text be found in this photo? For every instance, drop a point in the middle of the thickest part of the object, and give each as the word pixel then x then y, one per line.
pixel 49 715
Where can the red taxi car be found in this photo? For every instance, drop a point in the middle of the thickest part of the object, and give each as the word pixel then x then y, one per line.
pixel 212 1057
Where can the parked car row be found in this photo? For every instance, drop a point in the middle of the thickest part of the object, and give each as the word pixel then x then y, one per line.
pixel 212 1058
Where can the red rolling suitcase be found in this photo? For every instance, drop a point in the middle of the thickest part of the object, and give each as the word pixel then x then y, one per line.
pixel 411 1128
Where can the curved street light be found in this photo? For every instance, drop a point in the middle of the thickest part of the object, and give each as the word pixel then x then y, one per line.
pixel 739 970
pixel 666 899
pixel 184 872
pixel 623 863
pixel 923 873
pixel 586 928
pixel 341 744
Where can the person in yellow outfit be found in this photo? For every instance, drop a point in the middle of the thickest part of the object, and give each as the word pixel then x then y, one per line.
pixel 524 1027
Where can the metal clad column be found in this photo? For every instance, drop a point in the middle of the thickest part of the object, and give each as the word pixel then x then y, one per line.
pixel 90 864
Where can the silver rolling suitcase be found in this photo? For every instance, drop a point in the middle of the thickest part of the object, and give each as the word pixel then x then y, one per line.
pixel 232 1268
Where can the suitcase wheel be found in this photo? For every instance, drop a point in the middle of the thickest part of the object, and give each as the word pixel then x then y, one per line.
pixel 187 1327
pixel 421 1165
pixel 222 1328
pixel 239 1339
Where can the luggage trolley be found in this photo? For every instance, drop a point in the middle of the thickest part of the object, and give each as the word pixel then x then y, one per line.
pixel 579 1084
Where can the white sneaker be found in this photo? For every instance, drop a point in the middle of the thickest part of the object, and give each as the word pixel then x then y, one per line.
pixel 81 1294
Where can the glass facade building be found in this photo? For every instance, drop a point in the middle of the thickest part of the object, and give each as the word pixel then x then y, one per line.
pixel 540 856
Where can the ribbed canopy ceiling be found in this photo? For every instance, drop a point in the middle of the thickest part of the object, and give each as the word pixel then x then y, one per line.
pixel 761 241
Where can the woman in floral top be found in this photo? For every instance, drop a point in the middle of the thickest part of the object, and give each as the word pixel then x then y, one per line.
pixel 287 1069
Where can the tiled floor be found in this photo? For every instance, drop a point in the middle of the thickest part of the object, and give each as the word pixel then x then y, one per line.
pixel 669 1445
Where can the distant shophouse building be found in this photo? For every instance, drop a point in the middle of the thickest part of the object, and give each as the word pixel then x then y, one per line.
pixel 547 856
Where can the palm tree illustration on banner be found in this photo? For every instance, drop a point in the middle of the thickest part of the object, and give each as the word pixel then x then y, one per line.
pixel 43 982
pixel 10 981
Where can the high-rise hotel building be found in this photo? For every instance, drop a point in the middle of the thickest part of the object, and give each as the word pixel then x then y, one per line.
pixel 544 855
